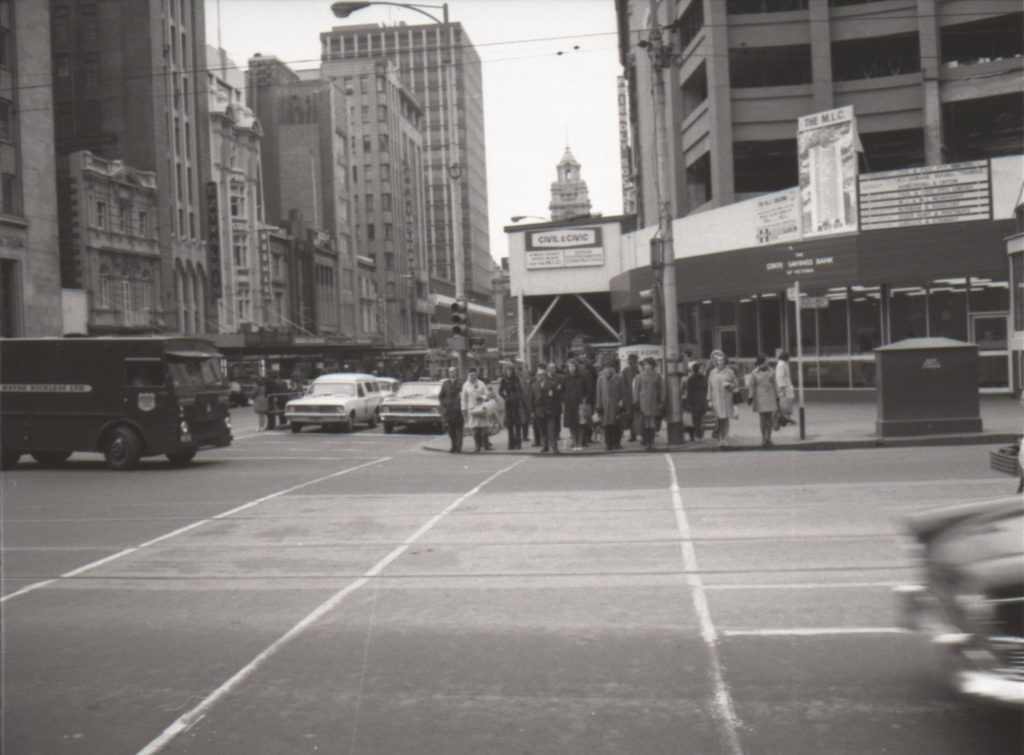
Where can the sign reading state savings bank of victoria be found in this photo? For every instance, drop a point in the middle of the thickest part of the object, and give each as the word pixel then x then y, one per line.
pixel 566 247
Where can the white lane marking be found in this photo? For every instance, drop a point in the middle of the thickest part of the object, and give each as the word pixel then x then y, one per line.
pixel 186 528
pixel 727 720
pixel 812 632
pixel 193 716
pixel 807 586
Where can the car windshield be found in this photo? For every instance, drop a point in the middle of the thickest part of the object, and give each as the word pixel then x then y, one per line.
pixel 426 390
pixel 195 372
pixel 333 389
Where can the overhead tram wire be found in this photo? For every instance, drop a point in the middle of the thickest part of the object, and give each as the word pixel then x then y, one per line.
pixel 532 40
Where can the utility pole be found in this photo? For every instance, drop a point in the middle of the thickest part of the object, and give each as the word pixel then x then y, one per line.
pixel 661 58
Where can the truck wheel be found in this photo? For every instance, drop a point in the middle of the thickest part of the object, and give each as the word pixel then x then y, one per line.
pixel 51 458
pixel 123 448
pixel 182 458
pixel 10 459
pixel 351 424
pixel 389 427
pixel 296 427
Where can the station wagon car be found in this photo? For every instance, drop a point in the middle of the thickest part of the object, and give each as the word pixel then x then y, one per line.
pixel 337 401
pixel 415 405
pixel 971 597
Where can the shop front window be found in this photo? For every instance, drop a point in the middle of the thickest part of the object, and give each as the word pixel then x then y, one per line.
pixel 833 334
pixel 809 331
pixel 947 308
pixel 988 295
pixel 865 320
pixel 770 317
pixel 908 312
pixel 748 328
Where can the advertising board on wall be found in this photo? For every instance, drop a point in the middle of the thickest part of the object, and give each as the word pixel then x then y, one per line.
pixel 827 154
pixel 564 247
pixel 778 217
pixel 213 244
pixel 926 196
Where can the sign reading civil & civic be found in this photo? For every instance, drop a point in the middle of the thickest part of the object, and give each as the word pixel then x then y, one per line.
pixel 564 247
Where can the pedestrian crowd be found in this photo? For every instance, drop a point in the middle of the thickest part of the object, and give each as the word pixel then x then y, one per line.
pixel 601 403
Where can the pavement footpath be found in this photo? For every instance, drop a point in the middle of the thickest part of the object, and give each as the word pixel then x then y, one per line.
pixel 830 424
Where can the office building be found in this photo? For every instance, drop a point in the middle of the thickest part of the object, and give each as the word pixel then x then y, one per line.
pixel 305 160
pixel 30 287
pixel 420 52
pixel 930 83
pixel 129 86
pixel 385 126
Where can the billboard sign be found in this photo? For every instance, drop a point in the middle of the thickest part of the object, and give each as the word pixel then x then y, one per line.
pixel 213 239
pixel 827 153
pixel 926 196
pixel 564 247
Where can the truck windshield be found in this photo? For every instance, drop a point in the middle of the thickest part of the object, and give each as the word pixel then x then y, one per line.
pixel 332 389
pixel 195 372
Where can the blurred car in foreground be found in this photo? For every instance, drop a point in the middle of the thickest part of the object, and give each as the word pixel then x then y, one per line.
pixel 414 405
pixel 971 599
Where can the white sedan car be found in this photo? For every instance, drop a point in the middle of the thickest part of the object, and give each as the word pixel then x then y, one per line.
pixel 336 402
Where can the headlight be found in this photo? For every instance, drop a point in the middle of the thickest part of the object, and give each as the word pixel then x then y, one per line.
pixel 183 427
pixel 227 422
pixel 385 410
pixel 340 409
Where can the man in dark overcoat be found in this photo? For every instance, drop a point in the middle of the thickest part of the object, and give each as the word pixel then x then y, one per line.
pixel 547 407
pixel 451 409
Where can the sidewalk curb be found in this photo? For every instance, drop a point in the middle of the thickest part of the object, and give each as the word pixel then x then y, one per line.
pixel 807 445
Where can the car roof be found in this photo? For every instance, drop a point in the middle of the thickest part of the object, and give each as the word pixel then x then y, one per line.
pixel 339 377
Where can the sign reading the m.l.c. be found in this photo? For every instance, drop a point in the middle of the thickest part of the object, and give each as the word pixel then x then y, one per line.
pixel 564 247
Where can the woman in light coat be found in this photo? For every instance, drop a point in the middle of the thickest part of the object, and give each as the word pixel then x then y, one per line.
pixel 474 408
pixel 722 385
pixel 763 396
pixel 787 394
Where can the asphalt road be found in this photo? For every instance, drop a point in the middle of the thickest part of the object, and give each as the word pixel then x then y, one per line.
pixel 354 593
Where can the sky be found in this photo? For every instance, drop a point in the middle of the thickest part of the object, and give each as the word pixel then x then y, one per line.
pixel 536 100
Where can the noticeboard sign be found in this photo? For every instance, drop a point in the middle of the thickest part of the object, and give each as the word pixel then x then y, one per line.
pixel 827 154
pixel 564 247
pixel 935 194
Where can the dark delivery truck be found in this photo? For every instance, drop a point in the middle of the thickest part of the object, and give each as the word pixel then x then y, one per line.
pixel 123 397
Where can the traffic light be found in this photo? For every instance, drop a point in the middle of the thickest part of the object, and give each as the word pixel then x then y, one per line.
pixel 460 319
pixel 650 311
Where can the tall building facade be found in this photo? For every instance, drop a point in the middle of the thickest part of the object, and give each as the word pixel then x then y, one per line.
pixel 385 127
pixel 421 53
pixel 30 288
pixel 305 159
pixel 247 295
pixel 569 195
pixel 931 82
pixel 128 83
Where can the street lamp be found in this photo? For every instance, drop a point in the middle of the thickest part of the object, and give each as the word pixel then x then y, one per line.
pixel 454 169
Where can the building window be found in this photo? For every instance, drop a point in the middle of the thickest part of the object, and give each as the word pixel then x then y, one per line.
pixel 87 24
pixel 240 251
pixel 385 202
pixel 385 172
pixel 145 291
pixel 385 142
pixel 6 121
pixel 371 232
pixel 91 70
pixel 765 166
pixel 127 301
pixel 369 202
pixel 142 226
pixel 105 284
pixel 62 69
pixel 60 24
pixel 689 25
pixel 237 199
pixel 698 180
pixel 124 217
pixel 875 57
pixel 10 201
pixel 769 66
pixel 100 217
pixel 365 111
pixel 367 144
pixel 382 113
pixel 367 173
pixel 389 232
pixel 763 6
pixel 380 84
pixel 993 38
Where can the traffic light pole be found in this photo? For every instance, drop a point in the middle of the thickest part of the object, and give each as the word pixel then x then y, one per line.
pixel 660 59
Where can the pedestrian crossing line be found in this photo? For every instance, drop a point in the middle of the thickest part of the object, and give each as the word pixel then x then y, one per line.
pixel 809 586
pixel 813 631
pixel 728 721
pixel 198 712
pixel 187 528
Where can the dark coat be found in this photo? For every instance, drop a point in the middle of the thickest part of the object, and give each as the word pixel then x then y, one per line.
pixel 511 390
pixel 577 391
pixel 451 399
pixel 526 385
pixel 696 399
pixel 547 397
pixel 628 375
pixel 611 397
